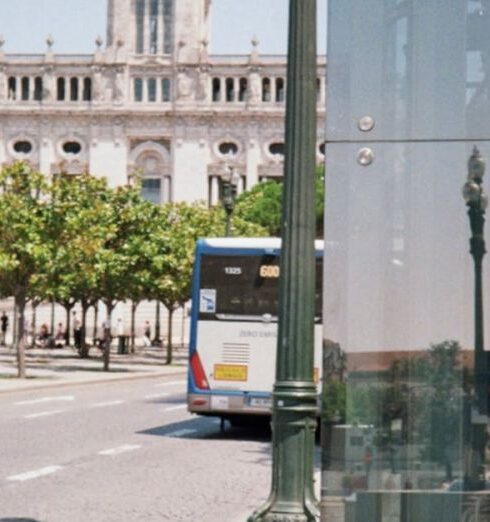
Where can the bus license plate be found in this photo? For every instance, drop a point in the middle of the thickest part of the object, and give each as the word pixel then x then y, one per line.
pixel 261 402
pixel 230 372
pixel 219 402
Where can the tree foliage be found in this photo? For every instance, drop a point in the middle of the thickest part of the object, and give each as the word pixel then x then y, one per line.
pixel 75 239
pixel 262 204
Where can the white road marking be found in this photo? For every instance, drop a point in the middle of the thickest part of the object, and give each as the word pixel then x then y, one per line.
pixel 107 403
pixel 42 414
pixel 178 407
pixel 180 433
pixel 46 399
pixel 120 449
pixel 157 395
pixel 35 474
pixel 169 383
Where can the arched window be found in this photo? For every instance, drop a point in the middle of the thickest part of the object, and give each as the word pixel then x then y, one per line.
pixel 166 92
pixel 266 90
pixel 138 90
pixel 152 90
pixel 230 89
pixel 12 88
pixel 38 88
pixel 216 89
pixel 140 26
pixel 74 89
pixel 60 89
pixel 279 89
pixel 24 84
pixel 243 86
pixel 87 89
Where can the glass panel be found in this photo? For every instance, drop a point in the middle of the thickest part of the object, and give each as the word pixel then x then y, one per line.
pixel 152 90
pixel 60 83
pixel 154 26
pixel 138 89
pixel 247 285
pixel 167 26
pixel 401 425
pixel 38 88
pixel 87 89
pixel 242 93
pixel 151 190
pixel 140 26
pixel 74 89
pixel 166 92
pixel 25 87
pixel 417 67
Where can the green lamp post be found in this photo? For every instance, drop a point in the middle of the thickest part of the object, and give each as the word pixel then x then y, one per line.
pixel 229 187
pixel 294 397
pixel 477 202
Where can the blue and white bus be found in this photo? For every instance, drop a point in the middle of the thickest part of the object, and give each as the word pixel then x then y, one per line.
pixel 233 338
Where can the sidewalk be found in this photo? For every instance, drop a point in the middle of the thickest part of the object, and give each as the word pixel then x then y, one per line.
pixel 61 367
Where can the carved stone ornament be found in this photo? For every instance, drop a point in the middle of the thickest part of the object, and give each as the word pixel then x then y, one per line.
pixel 184 86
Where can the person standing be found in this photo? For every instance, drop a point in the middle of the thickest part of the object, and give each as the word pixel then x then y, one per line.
pixel 4 324
pixel 147 335
pixel 77 331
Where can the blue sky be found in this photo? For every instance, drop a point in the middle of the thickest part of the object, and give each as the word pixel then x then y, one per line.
pixel 74 25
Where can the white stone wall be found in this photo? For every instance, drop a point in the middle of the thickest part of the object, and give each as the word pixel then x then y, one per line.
pixel 108 158
pixel 190 180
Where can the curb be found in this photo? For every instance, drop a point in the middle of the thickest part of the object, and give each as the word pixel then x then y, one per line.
pixel 102 380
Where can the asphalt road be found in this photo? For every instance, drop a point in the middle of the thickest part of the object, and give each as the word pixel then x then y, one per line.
pixel 125 451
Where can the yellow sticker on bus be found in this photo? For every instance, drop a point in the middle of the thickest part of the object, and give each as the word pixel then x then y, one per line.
pixel 230 372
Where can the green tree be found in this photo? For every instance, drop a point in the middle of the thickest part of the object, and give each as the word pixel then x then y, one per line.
pixel 24 242
pixel 180 226
pixel 262 204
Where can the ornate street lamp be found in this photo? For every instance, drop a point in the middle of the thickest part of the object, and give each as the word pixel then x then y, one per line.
pixel 477 202
pixel 295 396
pixel 229 187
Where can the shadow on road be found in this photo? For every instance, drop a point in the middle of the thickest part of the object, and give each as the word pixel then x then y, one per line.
pixel 17 519
pixel 209 429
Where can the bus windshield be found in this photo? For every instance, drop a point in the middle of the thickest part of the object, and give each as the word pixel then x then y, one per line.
pixel 245 285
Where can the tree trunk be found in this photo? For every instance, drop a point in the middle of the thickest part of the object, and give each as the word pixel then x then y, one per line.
pixel 33 325
pixel 134 305
pixel 84 348
pixel 171 310
pixel 20 304
pixel 156 340
pixel 182 333
pixel 96 317
pixel 68 308
pixel 107 335
pixel 52 317
pixel 15 329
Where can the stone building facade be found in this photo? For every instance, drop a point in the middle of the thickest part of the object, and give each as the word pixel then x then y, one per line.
pixel 151 100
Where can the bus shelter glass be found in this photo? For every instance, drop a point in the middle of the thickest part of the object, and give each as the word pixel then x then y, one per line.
pixel 405 414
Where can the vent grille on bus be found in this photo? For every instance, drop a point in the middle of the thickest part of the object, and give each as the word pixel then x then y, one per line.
pixel 236 353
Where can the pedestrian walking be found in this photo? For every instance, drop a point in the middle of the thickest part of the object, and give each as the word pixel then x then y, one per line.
pixel 4 324
pixel 147 335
